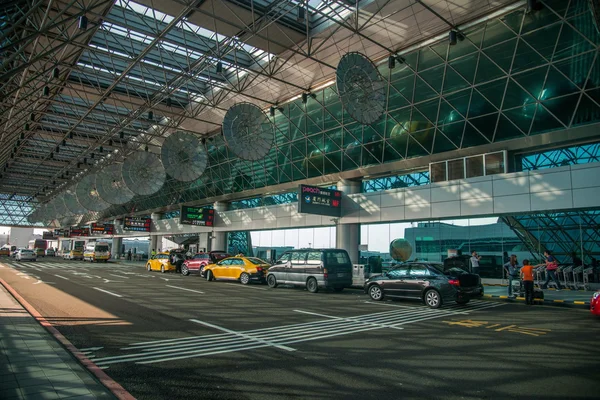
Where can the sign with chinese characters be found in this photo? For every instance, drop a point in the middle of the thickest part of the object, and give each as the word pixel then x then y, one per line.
pixel 102 229
pixel 197 216
pixel 48 235
pixel 81 231
pixel 320 201
pixel 137 224
pixel 61 233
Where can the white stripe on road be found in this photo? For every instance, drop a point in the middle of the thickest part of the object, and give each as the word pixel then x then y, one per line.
pixel 62 277
pixel 120 276
pixel 347 319
pixel 181 288
pixel 242 335
pixel 106 291
pixel 246 286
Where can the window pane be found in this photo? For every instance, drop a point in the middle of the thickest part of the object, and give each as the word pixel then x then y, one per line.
pixel 456 169
pixel 299 257
pixel 438 172
pixel 314 258
pixel 494 163
pixel 474 166
pixel 418 270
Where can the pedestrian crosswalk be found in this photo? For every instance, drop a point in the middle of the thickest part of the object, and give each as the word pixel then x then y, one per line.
pixel 282 337
pixel 58 265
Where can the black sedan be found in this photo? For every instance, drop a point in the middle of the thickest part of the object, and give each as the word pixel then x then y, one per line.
pixel 429 282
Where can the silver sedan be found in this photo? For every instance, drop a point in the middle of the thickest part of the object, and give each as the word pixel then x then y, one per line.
pixel 26 254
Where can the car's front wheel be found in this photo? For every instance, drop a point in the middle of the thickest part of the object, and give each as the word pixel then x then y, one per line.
pixel 184 270
pixel 272 281
pixel 244 278
pixel 433 298
pixel 162 269
pixel 312 285
pixel 201 271
pixel 148 267
pixel 376 293
pixel 209 276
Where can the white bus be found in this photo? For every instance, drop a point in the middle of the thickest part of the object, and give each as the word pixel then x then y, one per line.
pixel 96 251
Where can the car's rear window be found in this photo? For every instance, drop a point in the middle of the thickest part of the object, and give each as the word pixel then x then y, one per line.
pixel 256 261
pixel 101 248
pixel 337 257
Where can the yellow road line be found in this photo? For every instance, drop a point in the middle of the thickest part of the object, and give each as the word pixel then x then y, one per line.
pixel 579 302
pixel 558 301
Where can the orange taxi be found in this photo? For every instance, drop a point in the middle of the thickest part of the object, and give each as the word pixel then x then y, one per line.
pixel 160 262
pixel 243 269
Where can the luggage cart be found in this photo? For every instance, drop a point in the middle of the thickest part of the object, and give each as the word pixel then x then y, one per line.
pixel 540 275
pixel 578 284
pixel 566 274
pixel 519 289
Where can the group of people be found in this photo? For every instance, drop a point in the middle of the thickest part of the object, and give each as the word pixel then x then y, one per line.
pixel 526 273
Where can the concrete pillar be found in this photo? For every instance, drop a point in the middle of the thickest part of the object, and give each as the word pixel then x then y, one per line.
pixel 155 240
pixel 203 241
pixel 348 235
pixel 219 239
pixel 117 243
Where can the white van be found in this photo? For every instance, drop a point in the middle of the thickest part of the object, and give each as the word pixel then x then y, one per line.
pixel 96 251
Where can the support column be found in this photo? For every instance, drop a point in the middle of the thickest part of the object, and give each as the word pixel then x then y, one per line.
pixel 155 240
pixel 203 241
pixel 219 239
pixel 347 235
pixel 117 242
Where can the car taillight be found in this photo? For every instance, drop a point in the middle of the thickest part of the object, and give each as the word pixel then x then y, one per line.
pixel 454 282
pixel 259 269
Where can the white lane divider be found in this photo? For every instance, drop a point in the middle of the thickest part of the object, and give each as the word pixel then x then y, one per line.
pixel 106 291
pixel 278 336
pixel 120 276
pixel 246 286
pixel 181 288
pixel 61 277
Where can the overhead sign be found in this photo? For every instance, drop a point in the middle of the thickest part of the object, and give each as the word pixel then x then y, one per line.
pixel 197 216
pixel 102 229
pixel 320 201
pixel 61 233
pixel 81 231
pixel 137 224
pixel 48 235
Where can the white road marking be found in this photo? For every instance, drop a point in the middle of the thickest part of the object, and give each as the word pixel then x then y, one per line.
pixel 91 349
pixel 120 276
pixel 106 291
pixel 180 288
pixel 242 335
pixel 62 277
pixel 346 319
pixel 246 286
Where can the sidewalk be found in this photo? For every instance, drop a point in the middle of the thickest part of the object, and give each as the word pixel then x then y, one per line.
pixel 33 365
pixel 573 298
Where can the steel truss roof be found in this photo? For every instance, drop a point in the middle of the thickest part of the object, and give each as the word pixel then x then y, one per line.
pixel 71 96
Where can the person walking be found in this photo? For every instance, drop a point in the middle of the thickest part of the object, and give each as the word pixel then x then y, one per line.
pixel 551 267
pixel 512 271
pixel 527 277
pixel 178 261
pixel 475 262
pixel 129 255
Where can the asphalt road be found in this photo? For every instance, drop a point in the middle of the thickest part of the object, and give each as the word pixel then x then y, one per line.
pixel 165 336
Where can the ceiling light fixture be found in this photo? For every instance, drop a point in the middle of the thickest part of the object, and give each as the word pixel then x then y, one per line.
pixel 83 22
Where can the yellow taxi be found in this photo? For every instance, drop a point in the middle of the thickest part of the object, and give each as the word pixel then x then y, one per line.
pixel 243 269
pixel 5 251
pixel 75 254
pixel 160 262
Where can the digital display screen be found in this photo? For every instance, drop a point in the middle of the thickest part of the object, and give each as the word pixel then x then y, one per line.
pixel 137 224
pixel 82 231
pixel 320 201
pixel 197 216
pixel 48 235
pixel 102 229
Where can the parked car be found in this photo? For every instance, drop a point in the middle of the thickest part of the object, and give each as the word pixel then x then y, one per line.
pixel 76 254
pixel 244 269
pixel 313 268
pixel 5 251
pixel 432 283
pixel 26 254
pixel 595 303
pixel 50 252
pixel 196 264
pixel 160 262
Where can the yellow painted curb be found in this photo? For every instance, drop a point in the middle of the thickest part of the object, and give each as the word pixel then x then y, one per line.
pixel 520 298
pixel 503 297
pixel 579 302
pixel 558 301
pixel 488 295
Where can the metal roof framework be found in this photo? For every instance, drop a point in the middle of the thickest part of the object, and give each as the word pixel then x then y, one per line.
pixel 83 83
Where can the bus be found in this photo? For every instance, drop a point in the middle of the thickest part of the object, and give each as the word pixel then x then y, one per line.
pixel 96 251
pixel 39 246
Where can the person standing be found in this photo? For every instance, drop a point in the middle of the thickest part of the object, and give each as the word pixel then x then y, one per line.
pixel 512 271
pixel 551 267
pixel 129 255
pixel 153 253
pixel 527 277
pixel 475 262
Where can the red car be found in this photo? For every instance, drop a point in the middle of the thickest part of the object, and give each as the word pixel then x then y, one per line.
pixel 196 264
pixel 595 303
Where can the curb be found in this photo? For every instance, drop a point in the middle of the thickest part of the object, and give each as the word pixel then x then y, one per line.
pixel 118 390
pixel 546 302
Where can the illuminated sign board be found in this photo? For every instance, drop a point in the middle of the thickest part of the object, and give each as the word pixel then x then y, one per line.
pixel 320 201
pixel 136 224
pixel 48 235
pixel 61 233
pixel 82 231
pixel 102 229
pixel 197 216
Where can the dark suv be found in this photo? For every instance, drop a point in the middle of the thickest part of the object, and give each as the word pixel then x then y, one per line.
pixel 430 282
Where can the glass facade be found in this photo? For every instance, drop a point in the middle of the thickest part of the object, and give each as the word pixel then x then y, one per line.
pixel 513 76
